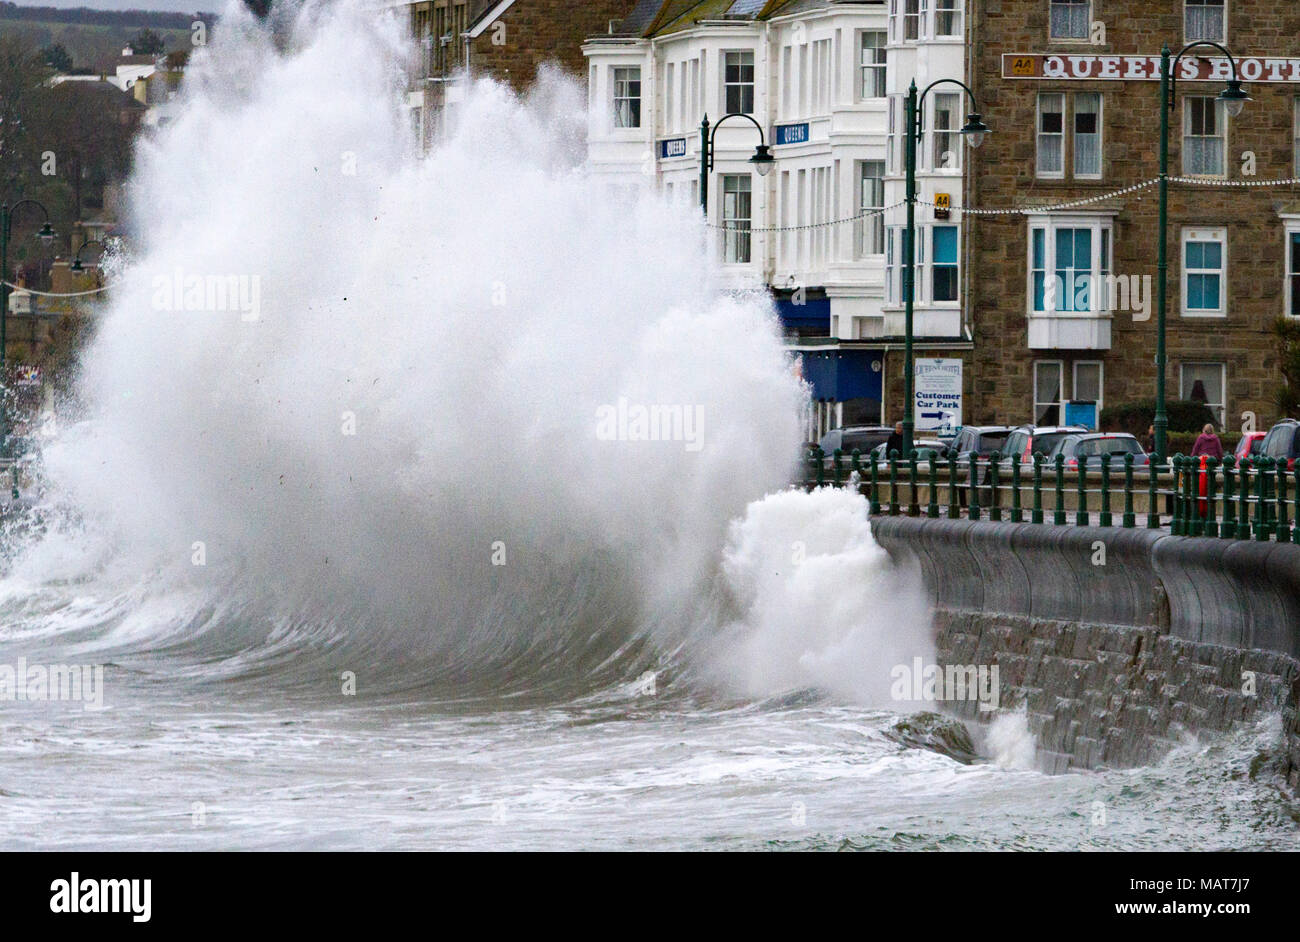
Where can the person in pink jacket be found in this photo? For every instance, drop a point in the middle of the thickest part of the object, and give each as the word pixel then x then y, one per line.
pixel 1207 443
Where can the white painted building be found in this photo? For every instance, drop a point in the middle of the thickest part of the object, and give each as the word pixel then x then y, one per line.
pixel 826 80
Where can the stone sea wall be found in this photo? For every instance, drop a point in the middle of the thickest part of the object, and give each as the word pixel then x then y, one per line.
pixel 1118 643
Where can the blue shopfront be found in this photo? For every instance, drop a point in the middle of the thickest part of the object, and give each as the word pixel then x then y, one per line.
pixel 847 386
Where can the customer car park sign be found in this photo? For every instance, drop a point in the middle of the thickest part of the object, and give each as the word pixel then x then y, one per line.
pixel 938 394
pixel 1017 65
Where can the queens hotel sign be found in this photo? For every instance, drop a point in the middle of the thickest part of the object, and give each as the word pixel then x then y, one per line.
pixel 1146 68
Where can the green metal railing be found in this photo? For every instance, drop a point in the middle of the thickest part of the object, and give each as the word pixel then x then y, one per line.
pixel 1255 499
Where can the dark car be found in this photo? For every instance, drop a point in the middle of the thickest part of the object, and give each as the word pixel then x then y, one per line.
pixel 1087 450
pixel 862 438
pixel 1282 443
pixel 979 440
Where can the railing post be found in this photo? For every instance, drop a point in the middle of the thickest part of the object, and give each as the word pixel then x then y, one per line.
pixel 1228 530
pixel 932 505
pixel 1211 498
pixel 1178 524
pixel 1243 504
pixel 893 482
pixel 1153 508
pixel 875 484
pixel 1283 524
pixel 837 472
pixel 1261 499
pixel 1130 518
pixel 1104 519
pixel 913 505
pixel 995 510
pixel 855 466
pixel 1017 515
pixel 1036 515
pixel 953 510
pixel 1058 518
pixel 819 457
pixel 974 487
pixel 1295 530
pixel 1081 518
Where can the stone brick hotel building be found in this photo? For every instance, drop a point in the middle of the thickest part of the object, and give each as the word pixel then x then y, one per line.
pixel 1071 90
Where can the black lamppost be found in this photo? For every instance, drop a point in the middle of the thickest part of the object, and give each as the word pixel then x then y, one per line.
pixel 1234 98
pixel 974 131
pixel 76 267
pixel 46 235
pixel 762 159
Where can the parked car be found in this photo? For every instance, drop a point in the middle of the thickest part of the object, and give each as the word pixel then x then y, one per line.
pixel 980 440
pixel 1087 449
pixel 926 449
pixel 1025 441
pixel 863 438
pixel 1249 445
pixel 1282 442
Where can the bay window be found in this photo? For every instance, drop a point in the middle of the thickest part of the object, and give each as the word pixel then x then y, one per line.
pixel 627 97
pixel 1069 260
pixel 737 217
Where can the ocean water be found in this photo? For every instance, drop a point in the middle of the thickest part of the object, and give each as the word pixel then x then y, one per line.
pixel 363 565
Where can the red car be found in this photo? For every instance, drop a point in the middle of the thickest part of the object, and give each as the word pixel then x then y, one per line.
pixel 1249 445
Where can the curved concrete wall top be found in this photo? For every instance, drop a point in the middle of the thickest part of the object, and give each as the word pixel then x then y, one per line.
pixel 1229 592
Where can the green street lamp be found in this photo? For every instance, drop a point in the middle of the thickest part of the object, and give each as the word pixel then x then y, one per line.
pixel 975 130
pixel 1234 98
pixel 77 267
pixel 762 159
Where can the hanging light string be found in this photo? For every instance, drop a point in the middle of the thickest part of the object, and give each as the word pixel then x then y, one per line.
pixel 56 294
pixel 868 214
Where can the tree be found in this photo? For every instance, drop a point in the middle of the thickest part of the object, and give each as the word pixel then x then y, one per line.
pixel 57 57
pixel 22 74
pixel 147 43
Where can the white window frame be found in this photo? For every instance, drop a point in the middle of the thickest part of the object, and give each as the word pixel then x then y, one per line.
pixel 956 8
pixel 1087 32
pixel 1206 234
pixel 1296 135
pixel 1221 125
pixel 1100 134
pixel 1202 4
pixel 956 266
pixel 871 229
pixel 733 239
pixel 1040 134
pixel 952 132
pixel 752 84
pixel 638 98
pixel 1183 393
pixel 1290 231
pixel 872 74
pixel 913 17
pixel 1101 383
pixel 1102 258
pixel 1034 402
